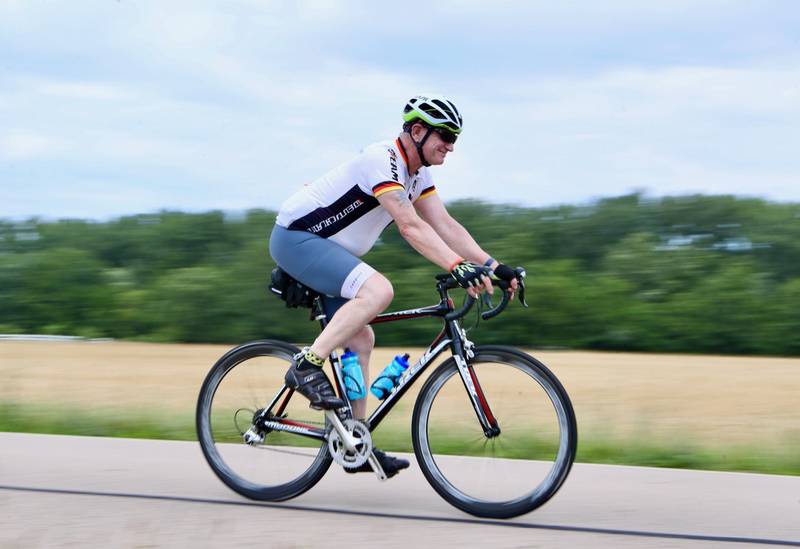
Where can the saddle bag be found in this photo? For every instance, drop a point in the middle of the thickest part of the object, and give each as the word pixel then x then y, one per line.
pixel 294 293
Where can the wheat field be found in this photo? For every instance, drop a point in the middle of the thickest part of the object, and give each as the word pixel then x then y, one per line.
pixel 708 400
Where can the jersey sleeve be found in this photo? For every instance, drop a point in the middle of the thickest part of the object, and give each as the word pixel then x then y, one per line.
pixel 428 188
pixel 380 173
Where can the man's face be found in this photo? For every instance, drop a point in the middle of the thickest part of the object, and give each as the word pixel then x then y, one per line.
pixel 435 148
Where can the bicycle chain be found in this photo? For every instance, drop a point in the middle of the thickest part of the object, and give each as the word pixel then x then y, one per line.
pixel 336 447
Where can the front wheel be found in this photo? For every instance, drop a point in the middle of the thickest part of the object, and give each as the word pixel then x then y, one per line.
pixel 518 467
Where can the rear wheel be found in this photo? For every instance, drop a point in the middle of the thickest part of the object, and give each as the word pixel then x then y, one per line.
pixel 510 473
pixel 242 395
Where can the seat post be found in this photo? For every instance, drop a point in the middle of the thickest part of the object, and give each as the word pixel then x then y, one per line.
pixel 318 313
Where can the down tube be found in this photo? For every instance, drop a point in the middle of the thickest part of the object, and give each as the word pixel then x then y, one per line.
pixel 407 380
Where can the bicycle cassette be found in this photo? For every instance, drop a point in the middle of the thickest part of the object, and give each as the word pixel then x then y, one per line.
pixel 363 446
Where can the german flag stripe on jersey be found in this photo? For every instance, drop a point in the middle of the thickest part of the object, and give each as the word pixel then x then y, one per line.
pixel 402 150
pixel 426 193
pixel 385 187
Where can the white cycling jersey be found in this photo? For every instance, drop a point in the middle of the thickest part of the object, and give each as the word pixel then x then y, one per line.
pixel 342 205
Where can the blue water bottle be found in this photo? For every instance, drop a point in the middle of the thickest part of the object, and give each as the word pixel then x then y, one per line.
pixel 387 381
pixel 353 377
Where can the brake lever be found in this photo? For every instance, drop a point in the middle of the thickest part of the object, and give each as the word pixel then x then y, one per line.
pixel 521 274
pixel 505 287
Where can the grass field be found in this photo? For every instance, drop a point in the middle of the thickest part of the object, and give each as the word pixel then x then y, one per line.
pixel 727 413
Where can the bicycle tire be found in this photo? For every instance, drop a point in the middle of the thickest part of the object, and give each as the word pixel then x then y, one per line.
pixel 274 355
pixel 435 465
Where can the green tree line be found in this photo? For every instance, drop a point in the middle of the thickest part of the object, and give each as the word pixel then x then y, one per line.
pixel 700 274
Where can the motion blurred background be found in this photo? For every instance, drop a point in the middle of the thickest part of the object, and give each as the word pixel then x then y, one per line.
pixel 640 160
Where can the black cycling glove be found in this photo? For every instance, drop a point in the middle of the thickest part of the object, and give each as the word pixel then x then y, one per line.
pixel 504 272
pixel 468 274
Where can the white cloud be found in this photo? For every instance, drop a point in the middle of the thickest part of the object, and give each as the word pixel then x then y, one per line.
pixel 671 130
pixel 93 91
pixel 253 99
pixel 23 145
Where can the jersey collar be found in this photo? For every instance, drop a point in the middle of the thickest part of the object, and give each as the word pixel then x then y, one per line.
pixel 403 153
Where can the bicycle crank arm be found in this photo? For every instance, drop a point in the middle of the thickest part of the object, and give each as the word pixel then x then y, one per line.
pixel 348 439
pixel 376 467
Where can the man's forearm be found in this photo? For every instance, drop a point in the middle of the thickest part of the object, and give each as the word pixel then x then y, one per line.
pixel 421 236
pixel 460 241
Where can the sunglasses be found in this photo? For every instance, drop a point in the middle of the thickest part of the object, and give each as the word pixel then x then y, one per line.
pixel 446 136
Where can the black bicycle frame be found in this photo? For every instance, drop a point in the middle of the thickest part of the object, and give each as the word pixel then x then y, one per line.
pixel 452 336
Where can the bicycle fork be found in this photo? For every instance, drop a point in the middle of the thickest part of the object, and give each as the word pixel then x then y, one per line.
pixel 479 403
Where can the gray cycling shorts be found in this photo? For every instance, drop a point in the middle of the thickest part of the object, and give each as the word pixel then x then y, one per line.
pixel 320 264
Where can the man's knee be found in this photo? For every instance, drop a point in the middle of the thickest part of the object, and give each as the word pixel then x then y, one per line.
pixel 378 290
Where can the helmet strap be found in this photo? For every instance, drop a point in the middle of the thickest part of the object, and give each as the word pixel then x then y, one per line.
pixel 419 146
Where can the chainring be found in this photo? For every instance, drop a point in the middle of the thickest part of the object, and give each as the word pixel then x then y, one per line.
pixel 339 452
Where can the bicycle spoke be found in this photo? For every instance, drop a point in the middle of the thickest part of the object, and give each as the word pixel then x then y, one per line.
pixel 232 411
pixel 518 468
pixel 288 450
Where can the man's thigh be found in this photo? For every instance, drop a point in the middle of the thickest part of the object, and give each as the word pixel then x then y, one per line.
pixel 319 264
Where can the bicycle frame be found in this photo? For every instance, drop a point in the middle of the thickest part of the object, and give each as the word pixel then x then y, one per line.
pixel 452 336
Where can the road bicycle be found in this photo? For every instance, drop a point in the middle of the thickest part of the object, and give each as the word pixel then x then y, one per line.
pixel 493 430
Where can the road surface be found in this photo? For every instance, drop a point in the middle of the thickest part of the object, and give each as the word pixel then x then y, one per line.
pixel 61 491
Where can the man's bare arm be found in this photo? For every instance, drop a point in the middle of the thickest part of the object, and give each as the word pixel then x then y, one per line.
pixel 416 231
pixel 433 211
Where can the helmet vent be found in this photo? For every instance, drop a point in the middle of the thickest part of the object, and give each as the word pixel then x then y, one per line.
pixel 434 111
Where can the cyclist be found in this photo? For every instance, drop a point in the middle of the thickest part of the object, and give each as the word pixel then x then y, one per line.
pixel 323 229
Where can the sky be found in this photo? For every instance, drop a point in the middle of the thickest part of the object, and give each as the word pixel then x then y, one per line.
pixel 118 107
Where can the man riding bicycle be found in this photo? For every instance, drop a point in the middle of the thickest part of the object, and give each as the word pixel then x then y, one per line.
pixel 323 229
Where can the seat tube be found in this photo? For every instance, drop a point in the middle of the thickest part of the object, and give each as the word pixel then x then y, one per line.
pixel 318 313
pixel 336 364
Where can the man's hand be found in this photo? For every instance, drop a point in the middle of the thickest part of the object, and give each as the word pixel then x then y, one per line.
pixel 474 278
pixel 504 272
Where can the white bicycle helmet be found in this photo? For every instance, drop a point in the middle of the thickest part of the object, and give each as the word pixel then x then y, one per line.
pixel 437 113
pixel 434 110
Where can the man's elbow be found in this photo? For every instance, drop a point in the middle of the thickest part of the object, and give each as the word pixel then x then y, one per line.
pixel 409 228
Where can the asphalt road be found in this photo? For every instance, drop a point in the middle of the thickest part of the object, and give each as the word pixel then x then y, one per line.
pixel 58 491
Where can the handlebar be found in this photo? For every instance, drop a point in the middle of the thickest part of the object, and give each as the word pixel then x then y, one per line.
pixel 504 286
pixel 458 313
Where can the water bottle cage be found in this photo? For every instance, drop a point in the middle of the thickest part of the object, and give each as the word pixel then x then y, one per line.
pixel 385 392
pixel 353 384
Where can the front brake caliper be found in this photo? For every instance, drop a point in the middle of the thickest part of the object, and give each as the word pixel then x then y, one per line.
pixel 469 347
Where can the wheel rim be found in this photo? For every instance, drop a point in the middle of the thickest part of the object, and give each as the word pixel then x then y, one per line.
pixel 283 459
pixel 534 423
